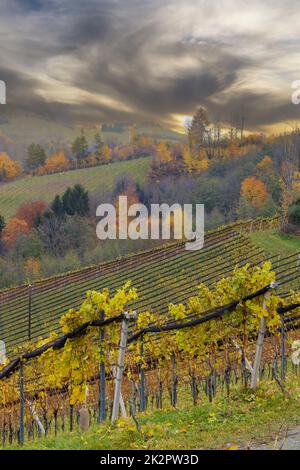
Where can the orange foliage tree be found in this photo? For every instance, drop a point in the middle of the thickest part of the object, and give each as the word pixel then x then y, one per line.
pixel 254 190
pixel 56 162
pixel 29 211
pixel 9 169
pixel 13 230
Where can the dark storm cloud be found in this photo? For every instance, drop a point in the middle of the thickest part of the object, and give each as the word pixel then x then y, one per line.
pixel 133 59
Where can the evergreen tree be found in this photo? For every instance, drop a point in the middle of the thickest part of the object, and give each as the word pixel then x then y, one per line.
pixel 57 206
pixel 36 156
pixel 80 147
pixel 76 201
pixel 98 144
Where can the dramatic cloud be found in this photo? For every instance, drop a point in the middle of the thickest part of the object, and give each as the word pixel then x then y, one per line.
pixel 151 60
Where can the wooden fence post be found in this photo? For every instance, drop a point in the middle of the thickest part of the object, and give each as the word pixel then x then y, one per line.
pixel 260 342
pixel 120 366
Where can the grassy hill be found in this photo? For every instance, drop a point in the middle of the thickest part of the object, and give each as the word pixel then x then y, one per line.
pixel 44 188
pixel 273 242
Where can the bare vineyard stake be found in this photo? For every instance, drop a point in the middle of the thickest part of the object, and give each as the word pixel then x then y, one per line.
pixel 36 417
pixel 132 404
pixel 282 349
pixel 142 379
pixel 120 367
pixel 259 344
pixel 102 400
pixel 21 392
pixel 71 417
pixel 122 403
pixel 215 383
pixel 241 353
pixel 173 385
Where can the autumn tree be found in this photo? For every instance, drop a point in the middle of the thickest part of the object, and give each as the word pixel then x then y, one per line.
pixel 198 129
pixel 187 159
pixel 232 150
pixel 164 153
pixel 56 162
pixel 194 162
pixel 30 211
pixel 254 191
pixel 13 230
pixel 105 154
pixel 123 152
pixel 32 268
pixel 9 169
pixel 266 166
pixel 36 156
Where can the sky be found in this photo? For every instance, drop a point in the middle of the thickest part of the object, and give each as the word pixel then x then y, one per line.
pixel 152 60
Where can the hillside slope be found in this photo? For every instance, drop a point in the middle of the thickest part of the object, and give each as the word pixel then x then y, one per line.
pixel 44 188
pixel 273 242
pixel 163 275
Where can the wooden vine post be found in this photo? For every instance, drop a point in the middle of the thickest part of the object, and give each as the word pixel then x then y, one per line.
pixel 260 341
pixel 120 366
pixel 282 334
pixel 173 381
pixel 102 404
pixel 21 395
pixel 142 379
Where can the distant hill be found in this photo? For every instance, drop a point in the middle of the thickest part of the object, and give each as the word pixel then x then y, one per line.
pixel 18 131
